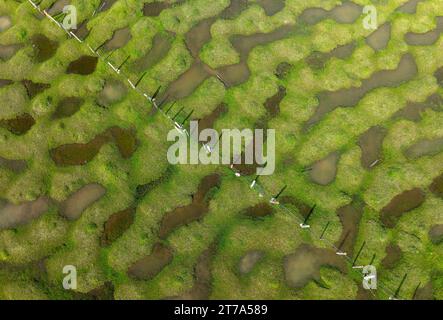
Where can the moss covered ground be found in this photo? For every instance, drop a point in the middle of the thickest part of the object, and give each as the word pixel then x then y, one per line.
pixel 33 254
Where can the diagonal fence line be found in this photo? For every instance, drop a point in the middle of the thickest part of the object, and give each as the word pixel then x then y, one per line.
pixel 180 127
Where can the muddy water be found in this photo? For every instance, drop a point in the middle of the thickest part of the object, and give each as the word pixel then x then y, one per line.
pixel 33 89
pixel 437 186
pixel 119 39
pixel 151 265
pixel 199 35
pixel 113 92
pixel 425 39
pixel 153 9
pixel 234 9
pixel 203 277
pixel 379 39
pixel 192 212
pixel 106 5
pixel 347 12
pixel 67 107
pixel 73 207
pixel 272 6
pixel 82 30
pixel 44 48
pixel 245 43
pixel 371 145
pixel 14 165
pixel 58 6
pixel 436 234
pixel 393 256
pixel 231 75
pixel 425 147
pixel 5 82
pixel 79 154
pixel 161 44
pixel 249 261
pixel 125 140
pixel 317 60
pixel 104 292
pixel 302 207
pixel 409 7
pixel 237 74
pixel 116 225
pixel 5 23
pixel 84 65
pixel 350 216
pixel 330 100
pixel 425 293
pixel 143 189
pixel 12 216
pixel 412 111
pixel 259 211
pixel 188 81
pixel 323 172
pixel 208 121
pixel 401 204
pixel 247 169
pixel 304 265
pixel 439 76
pixel 272 104
pixel 19 125
pixel 8 51
pixel 283 70
pixel 363 294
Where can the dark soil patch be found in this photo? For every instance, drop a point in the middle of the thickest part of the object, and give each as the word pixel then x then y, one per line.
pixel 203 277
pixel 67 107
pixel 73 207
pixel 371 145
pixel 437 186
pixel 116 225
pixel 350 216
pixel 425 147
pixel 14 165
pixel 436 234
pixel 283 70
pixel 259 211
pixel 84 65
pixel 33 89
pixel 400 204
pixel 413 110
pixel 82 153
pixel 19 125
pixel 44 48
pixel 249 261
pixel 192 212
pixel 13 216
pixel 8 51
pixel 393 256
pixel 150 266
pixel 304 265
pixel 330 100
